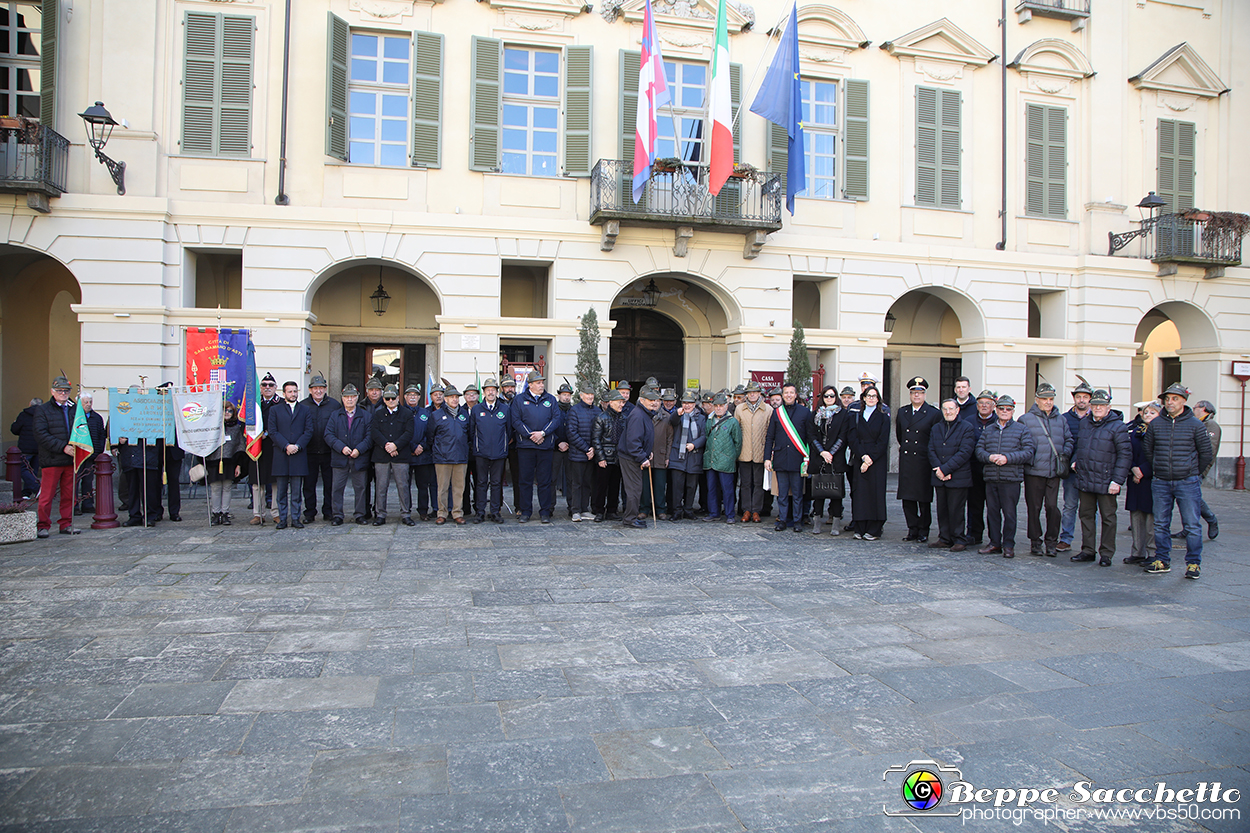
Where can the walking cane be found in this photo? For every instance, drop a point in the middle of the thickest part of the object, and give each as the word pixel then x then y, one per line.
pixel 651 484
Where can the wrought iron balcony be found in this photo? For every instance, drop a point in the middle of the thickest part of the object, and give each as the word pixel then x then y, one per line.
pixel 677 197
pixel 1201 238
pixel 33 161
pixel 1060 9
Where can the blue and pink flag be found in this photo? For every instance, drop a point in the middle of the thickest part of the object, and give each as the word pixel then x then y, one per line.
pixel 218 357
pixel 652 95
pixel 249 408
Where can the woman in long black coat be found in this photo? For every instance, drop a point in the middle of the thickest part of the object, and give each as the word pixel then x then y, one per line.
pixel 869 437
pixel 831 421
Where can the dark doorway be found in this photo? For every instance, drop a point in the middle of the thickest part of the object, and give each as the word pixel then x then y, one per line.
pixel 393 364
pixel 646 343
pixel 1171 367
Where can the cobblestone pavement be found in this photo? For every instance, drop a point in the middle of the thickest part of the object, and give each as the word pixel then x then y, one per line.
pixel 586 677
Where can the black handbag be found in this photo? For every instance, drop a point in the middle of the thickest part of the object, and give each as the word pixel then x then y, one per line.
pixel 828 483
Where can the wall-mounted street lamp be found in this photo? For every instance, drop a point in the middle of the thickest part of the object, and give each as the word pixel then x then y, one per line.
pixel 890 321
pixel 380 298
pixel 100 126
pixel 1147 207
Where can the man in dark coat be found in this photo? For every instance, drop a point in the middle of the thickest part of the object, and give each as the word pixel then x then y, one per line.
pixel 788 447
pixel 915 488
pixel 1100 465
pixel 448 435
pixel 319 467
pixel 535 417
pixel 390 429
pixel 349 440
pixel 1071 495
pixel 685 457
pixel 140 463
pixel 605 437
pixel 1004 448
pixel 982 418
pixel 951 446
pixel 291 427
pixel 489 438
pixel 560 460
pixel 24 429
pixel 964 399
pixel 579 423
pixel 634 454
pixel 1053 443
pixel 261 474
pixel 53 423
pixel 171 455
pixel 1179 449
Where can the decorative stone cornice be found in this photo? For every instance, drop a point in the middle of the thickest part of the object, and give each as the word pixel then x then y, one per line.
pixel 941 40
pixel 1180 70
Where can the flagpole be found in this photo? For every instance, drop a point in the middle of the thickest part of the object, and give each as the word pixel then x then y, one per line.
pixel 777 31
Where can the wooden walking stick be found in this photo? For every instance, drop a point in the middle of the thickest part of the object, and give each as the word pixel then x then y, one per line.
pixel 651 484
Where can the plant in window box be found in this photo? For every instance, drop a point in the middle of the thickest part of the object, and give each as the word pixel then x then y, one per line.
pixel 17 522
pixel 666 165
pixel 745 170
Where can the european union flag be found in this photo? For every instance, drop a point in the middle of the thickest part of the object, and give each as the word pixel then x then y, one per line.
pixel 780 100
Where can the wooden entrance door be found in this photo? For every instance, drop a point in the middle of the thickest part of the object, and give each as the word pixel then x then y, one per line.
pixel 646 343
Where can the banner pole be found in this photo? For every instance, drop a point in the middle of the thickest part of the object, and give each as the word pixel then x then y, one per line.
pixel 143 498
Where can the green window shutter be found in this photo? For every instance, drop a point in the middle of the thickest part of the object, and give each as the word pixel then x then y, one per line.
pixel 578 80
pixel 735 98
pixel 949 153
pixel 486 104
pixel 1056 162
pixel 234 134
pixel 47 64
pixel 1035 160
pixel 630 63
pixel 427 99
pixel 337 35
pixel 1176 165
pixel 199 83
pixel 856 143
pixel 926 146
pixel 779 152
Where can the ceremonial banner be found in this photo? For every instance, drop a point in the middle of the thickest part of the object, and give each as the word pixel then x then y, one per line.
pixel 249 411
pixel 197 412
pixel 218 357
pixel 80 438
pixel 140 414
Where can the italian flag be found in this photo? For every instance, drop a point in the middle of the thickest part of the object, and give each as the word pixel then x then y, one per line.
pixel 720 108
pixel 80 438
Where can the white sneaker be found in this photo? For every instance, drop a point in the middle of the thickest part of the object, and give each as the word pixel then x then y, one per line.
pixel 588 516
pixel 577 516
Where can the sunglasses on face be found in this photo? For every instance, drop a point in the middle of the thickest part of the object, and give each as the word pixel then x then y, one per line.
pixel 831 396
pixel 390 398
pixel 1006 408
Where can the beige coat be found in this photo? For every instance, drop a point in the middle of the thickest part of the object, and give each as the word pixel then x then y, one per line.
pixel 754 430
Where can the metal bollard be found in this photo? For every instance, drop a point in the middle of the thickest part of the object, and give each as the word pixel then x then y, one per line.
pixel 13 471
pixel 105 510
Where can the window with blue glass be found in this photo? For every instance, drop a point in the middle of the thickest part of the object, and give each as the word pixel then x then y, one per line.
pixel 378 94
pixel 687 84
pixel 820 138
pixel 531 111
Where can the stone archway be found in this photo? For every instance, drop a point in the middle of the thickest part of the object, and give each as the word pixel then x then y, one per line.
pixel 1178 343
pixel 350 342
pixel 924 342
pixel 41 335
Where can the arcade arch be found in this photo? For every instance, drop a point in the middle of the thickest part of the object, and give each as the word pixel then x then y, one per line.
pixel 1178 343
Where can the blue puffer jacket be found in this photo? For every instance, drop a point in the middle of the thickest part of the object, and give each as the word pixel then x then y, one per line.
pixel 1047 429
pixel 1103 453
pixel 951 446
pixel 489 433
pixel 1178 448
pixel 1015 442
pixel 449 435
pixel 579 423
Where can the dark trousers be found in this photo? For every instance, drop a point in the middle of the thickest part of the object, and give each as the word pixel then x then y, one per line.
pixel 560 475
pixel 702 493
pixel 655 491
pixel 359 491
pixel 30 474
pixel 951 504
pixel 173 486
pixel 607 487
pixel 976 510
pixel 789 498
pixel 145 503
pixel 1104 505
pixel 86 485
pixel 633 482
pixel 1001 500
pixel 470 486
pixel 1042 493
pixel 751 487
pixel 318 468
pixel 290 496
pixel 426 495
pixel 919 517
pixel 489 482
pixel 581 474
pixel 720 493
pixel 514 474
pixel 681 493
pixel 873 528
pixel 534 465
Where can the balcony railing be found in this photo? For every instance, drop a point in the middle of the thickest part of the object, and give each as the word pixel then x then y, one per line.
pixel 1060 9
pixel 1202 238
pixel 33 158
pixel 679 196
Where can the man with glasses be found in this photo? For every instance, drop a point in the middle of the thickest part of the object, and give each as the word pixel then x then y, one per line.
pixel 982 418
pixel 261 475
pixel 1178 447
pixel 1100 463
pixel 291 428
pixel 1071 495
pixel 53 423
pixel 390 431
pixel 1004 448
pixel 322 408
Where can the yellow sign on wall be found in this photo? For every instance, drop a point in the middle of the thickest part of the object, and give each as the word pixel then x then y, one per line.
pixel 692 384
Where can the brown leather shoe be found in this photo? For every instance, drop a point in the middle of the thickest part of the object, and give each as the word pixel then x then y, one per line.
pixel 441 521
pixel 746 517
pixel 1009 553
pixel 755 517
pixel 989 549
pixel 1062 546
pixel 959 548
pixel 257 520
pixel 460 521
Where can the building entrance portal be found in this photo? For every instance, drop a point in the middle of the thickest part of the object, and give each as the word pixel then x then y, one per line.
pixel 391 364
pixel 646 343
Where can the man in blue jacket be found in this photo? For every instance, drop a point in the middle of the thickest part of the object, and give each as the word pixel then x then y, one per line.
pixel 1071 495
pixel 448 435
pixel 634 455
pixel 348 438
pixel 489 438
pixel 1178 447
pixel 578 427
pixel 1004 447
pixel 535 417
pixel 291 429
pixel 319 463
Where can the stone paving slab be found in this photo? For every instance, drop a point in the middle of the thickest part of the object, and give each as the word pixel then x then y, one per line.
pixel 581 677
